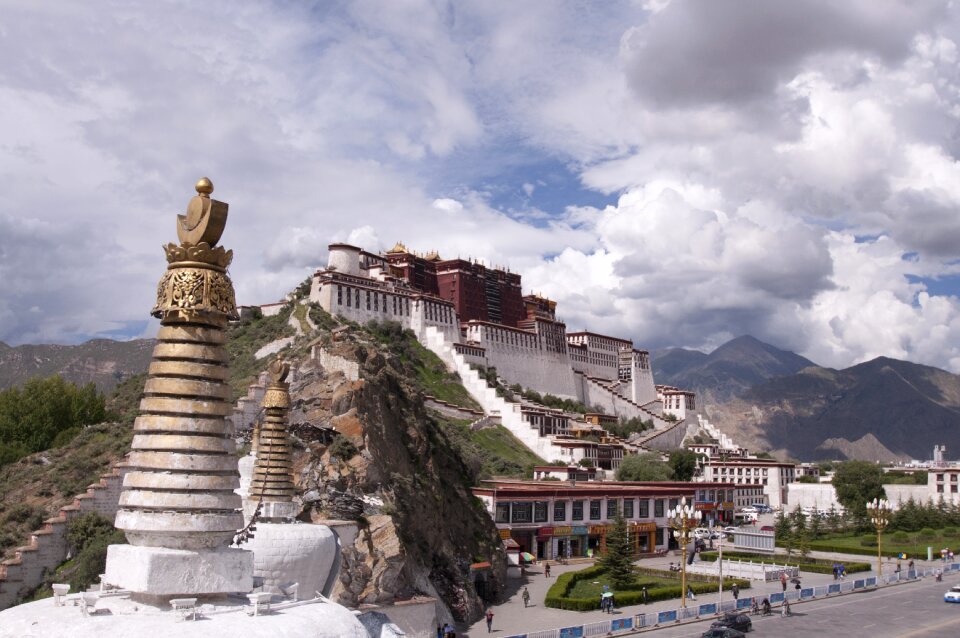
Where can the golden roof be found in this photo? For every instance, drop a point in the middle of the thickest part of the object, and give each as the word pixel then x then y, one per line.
pixel 432 256
pixel 397 248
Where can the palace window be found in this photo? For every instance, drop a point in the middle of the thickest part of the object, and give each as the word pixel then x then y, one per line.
pixel 357 298
pixel 503 513
pixel 559 511
pixel 628 508
pixel 612 507
pixel 384 302
pixel 644 510
pixel 595 510
pixel 368 300
pixel 522 512
pixel 376 302
pixel 577 514
pixel 339 295
pixel 540 512
pixel 349 298
pixel 658 508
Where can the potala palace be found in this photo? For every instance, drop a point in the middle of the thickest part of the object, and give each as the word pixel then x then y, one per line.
pixel 475 317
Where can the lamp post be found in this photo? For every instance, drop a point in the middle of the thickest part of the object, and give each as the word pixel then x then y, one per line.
pixel 879 511
pixel 681 519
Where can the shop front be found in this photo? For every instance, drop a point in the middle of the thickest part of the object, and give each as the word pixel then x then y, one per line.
pixel 717 514
pixel 564 541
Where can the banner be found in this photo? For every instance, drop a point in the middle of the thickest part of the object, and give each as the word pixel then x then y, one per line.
pixel 806 593
pixel 621 624
pixel 707 609
pixel 667 616
pixel 571 632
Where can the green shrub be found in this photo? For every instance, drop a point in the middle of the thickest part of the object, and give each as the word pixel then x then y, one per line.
pixel 342 448
pixel 952 532
pixel 901 537
pixel 868 540
pixel 814 565
pixel 927 534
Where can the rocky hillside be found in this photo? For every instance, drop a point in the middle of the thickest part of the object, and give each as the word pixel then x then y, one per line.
pixel 371 451
pixel 882 409
pixel 101 361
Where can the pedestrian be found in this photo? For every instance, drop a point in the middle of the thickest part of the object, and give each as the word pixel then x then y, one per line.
pixel 439 631
pixel 735 591
pixel 783 581
pixel 785 609
pixel 448 631
pixel 897 570
pixel 611 604
pixel 910 569
pixel 644 595
pixel 690 593
pixel 489 617
pixel 526 597
pixel 546 569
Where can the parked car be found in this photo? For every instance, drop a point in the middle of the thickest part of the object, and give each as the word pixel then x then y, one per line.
pixel 768 528
pixel 731 530
pixel 748 508
pixel 952 596
pixel 722 632
pixel 733 620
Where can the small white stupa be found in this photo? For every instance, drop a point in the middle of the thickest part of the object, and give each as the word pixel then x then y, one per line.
pixel 179 508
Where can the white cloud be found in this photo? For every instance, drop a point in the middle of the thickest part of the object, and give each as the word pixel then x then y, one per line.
pixel 747 148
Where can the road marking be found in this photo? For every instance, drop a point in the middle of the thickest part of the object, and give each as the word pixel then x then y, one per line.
pixel 925 630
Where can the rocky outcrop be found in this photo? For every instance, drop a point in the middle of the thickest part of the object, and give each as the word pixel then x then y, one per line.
pixel 392 469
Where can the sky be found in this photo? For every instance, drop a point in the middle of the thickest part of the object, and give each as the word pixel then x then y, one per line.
pixel 679 172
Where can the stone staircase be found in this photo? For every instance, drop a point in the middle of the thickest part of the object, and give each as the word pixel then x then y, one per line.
pixel 47 547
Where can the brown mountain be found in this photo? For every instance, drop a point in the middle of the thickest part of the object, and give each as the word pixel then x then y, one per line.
pixel 882 409
pixel 102 361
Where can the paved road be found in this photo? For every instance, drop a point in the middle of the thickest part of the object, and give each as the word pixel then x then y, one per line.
pixel 902 610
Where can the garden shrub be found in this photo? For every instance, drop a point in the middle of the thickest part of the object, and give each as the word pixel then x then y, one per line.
pixel 868 540
pixel 901 537
pixel 927 533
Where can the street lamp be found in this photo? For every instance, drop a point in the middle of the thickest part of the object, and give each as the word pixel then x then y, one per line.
pixel 681 519
pixel 879 511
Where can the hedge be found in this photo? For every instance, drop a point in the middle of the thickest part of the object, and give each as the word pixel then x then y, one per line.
pixel 815 565
pixel 826 546
pixel 558 599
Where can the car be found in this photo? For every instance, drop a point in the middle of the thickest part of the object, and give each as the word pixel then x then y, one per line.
pixel 722 632
pixel 734 620
pixel 752 510
pixel 768 528
pixel 731 530
pixel 952 596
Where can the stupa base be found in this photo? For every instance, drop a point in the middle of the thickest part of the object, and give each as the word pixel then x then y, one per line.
pixel 158 571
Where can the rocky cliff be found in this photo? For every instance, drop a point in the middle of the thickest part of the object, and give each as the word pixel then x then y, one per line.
pixel 370 451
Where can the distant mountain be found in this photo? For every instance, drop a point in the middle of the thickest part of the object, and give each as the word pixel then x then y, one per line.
pixel 102 361
pixel 728 371
pixel 882 409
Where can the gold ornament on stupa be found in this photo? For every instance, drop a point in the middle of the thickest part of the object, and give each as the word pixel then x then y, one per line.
pixel 179 492
pixel 273 469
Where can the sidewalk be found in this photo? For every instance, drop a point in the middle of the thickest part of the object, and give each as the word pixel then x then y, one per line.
pixel 510 617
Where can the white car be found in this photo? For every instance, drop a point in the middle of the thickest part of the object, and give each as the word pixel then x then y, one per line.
pixel 731 530
pixel 952 596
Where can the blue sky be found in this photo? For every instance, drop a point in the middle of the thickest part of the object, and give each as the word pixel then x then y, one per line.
pixel 677 172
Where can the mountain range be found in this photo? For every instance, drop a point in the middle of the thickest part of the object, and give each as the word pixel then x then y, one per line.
pixel 773 400
pixel 766 398
pixel 101 361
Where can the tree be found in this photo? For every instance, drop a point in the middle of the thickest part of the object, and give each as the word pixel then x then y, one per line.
pixel 856 483
pixel 684 464
pixel 644 467
pixel 807 478
pixel 618 561
pixel 816 526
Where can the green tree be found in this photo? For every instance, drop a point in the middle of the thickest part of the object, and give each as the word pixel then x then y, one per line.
pixel 816 526
pixel 684 464
pixel 856 483
pixel 618 560
pixel 648 466
pixel 807 478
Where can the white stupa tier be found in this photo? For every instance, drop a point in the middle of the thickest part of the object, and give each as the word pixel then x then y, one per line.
pixel 119 616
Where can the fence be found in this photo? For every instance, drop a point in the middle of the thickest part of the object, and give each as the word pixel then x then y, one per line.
pixel 652 619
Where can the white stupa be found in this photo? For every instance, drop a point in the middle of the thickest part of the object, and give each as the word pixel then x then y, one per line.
pixel 179 508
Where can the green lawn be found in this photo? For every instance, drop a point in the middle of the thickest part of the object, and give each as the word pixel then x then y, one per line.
pixel 491 451
pixel 593 587
pixel 914 545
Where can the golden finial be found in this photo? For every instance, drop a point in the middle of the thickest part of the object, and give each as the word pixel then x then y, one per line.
pixel 204 187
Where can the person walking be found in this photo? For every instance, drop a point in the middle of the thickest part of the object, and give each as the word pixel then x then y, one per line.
pixel 546 570
pixel 526 597
pixel 785 608
pixel 735 591
pixel 644 595
pixel 439 631
pixel 489 617
pixel 783 581
pixel 690 593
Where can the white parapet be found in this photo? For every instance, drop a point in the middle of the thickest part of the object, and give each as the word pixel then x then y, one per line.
pixel 287 553
pixel 159 571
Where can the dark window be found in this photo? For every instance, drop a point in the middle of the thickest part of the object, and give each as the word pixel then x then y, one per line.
pixel 349 298
pixel 522 512
pixel 357 298
pixel 376 302
pixel 577 514
pixel 611 507
pixel 503 513
pixel 595 510
pixel 658 508
pixel 644 510
pixel 628 508
pixel 540 512
pixel 368 300
pixel 339 295
pixel 559 511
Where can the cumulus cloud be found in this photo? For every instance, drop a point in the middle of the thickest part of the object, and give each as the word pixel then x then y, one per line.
pixel 750 147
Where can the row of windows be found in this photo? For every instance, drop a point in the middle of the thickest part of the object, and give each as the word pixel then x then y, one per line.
pixel 378 301
pixel 573 511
